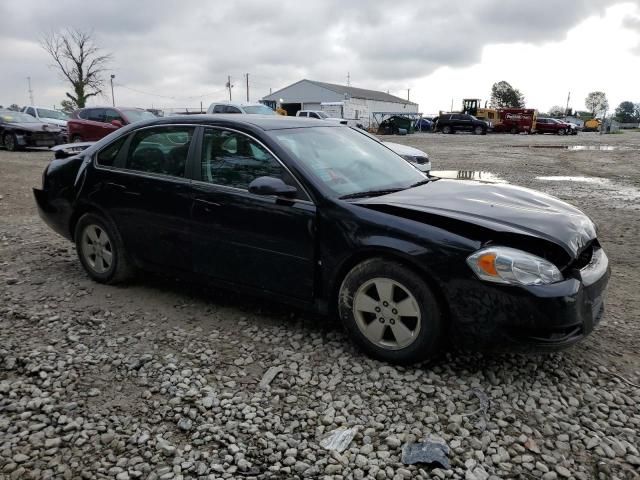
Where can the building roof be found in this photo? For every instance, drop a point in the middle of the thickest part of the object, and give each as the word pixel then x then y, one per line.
pixel 353 92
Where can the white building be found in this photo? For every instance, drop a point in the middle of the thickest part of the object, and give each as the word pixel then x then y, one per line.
pixel 340 101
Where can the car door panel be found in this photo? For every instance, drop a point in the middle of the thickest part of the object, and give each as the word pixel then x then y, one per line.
pixel 258 241
pixel 254 240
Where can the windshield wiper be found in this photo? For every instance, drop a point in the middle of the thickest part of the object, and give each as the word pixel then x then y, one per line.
pixel 370 193
pixel 421 182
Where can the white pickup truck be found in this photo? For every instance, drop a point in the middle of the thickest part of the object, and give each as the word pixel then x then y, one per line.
pixel 320 115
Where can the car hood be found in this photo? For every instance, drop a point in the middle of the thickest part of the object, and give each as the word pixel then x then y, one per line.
pixel 35 126
pixel 502 208
pixel 401 149
pixel 55 121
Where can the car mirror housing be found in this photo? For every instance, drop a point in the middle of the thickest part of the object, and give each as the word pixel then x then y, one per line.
pixel 272 186
pixel 116 123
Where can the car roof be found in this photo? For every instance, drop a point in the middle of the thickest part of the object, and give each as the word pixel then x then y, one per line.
pixel 264 122
pixel 239 104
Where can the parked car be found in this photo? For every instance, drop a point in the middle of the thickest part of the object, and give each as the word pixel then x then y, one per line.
pixel 320 115
pixel 328 219
pixel 240 107
pixel 19 130
pixel 423 125
pixel 557 127
pixel 48 115
pixel 93 123
pixel 414 156
pixel 461 122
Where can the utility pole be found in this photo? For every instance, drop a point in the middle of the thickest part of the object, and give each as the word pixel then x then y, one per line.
pixel 229 86
pixel 30 91
pixel 408 89
pixel 348 79
pixel 113 99
pixel 247 87
pixel 567 109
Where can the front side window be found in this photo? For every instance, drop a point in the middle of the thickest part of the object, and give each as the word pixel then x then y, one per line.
pixel 218 109
pixel 231 109
pixel 235 160
pixel 31 112
pixel 135 115
pixel 111 115
pixel 161 150
pixel 96 115
pixel 107 156
pixel 346 161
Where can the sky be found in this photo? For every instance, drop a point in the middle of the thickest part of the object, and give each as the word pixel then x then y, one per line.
pixel 174 54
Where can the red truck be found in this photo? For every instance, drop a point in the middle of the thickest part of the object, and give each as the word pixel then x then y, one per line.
pixel 515 120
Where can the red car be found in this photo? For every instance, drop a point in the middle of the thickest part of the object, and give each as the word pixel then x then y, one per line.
pixel 93 123
pixel 557 127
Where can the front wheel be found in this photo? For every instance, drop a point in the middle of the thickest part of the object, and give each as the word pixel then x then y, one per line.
pixel 390 312
pixel 76 139
pixel 447 129
pixel 561 131
pixel 100 250
pixel 10 142
pixel 479 130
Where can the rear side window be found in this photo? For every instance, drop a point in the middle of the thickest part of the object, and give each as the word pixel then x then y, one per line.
pixel 107 156
pixel 84 114
pixel 161 150
pixel 231 109
pixel 97 115
pixel 31 112
pixel 111 114
pixel 218 109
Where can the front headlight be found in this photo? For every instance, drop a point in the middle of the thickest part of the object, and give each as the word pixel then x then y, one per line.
pixel 511 266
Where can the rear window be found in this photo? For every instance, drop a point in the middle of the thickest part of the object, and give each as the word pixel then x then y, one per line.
pixel 107 156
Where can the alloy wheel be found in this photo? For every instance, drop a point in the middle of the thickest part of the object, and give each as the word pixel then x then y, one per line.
pixel 97 248
pixel 10 142
pixel 387 313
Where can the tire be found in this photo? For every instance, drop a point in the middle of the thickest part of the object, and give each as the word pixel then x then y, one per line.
pixel 447 130
pixel 76 138
pixel 396 339
pixel 561 131
pixel 514 131
pixel 95 232
pixel 479 130
pixel 10 142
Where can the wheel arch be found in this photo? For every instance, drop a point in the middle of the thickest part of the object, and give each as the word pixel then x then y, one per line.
pixel 389 254
pixel 83 208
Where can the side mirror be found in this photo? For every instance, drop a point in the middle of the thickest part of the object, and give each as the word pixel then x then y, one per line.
pixel 116 123
pixel 272 186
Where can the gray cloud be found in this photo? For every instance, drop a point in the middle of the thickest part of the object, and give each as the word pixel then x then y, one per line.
pixel 189 47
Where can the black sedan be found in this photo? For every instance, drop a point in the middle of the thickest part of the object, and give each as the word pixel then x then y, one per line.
pixel 324 217
pixel 19 130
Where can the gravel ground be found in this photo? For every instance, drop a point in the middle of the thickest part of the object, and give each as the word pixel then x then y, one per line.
pixel 160 378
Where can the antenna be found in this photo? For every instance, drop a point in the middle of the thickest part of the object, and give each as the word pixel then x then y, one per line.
pixel 30 91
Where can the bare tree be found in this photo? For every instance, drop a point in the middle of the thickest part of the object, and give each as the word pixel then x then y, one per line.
pixel 596 102
pixel 79 61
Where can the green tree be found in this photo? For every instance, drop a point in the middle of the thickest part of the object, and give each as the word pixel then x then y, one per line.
pixel 628 112
pixel 503 95
pixel 556 111
pixel 79 61
pixel 596 102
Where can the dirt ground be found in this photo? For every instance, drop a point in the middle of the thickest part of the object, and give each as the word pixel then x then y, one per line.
pixel 49 309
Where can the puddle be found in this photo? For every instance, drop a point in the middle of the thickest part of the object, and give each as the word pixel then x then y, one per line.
pixel 574 179
pixel 468 175
pixel 614 194
pixel 580 148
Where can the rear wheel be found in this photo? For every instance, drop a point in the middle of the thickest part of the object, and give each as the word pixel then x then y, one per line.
pixel 100 250
pixel 561 131
pixel 390 312
pixel 447 129
pixel 514 130
pixel 479 130
pixel 10 142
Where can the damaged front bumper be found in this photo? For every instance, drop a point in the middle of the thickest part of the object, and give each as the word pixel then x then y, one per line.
pixel 532 318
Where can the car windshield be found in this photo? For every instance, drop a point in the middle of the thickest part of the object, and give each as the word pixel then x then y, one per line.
pixel 55 114
pixel 138 115
pixel 259 109
pixel 322 115
pixel 18 117
pixel 348 162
